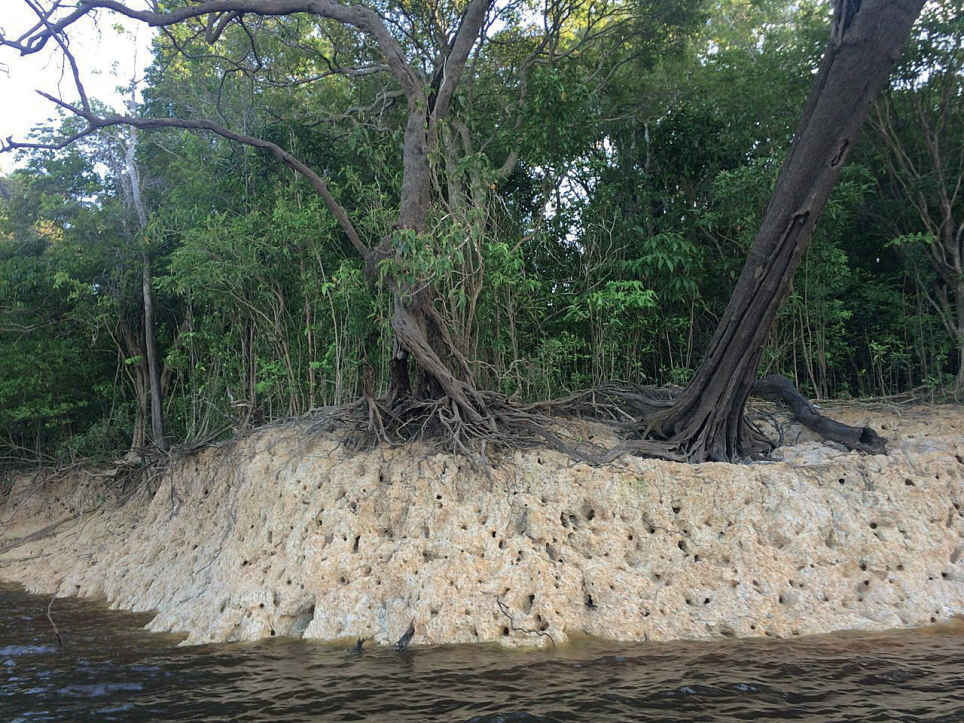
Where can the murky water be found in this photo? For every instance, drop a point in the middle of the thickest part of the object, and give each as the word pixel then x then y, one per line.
pixel 110 669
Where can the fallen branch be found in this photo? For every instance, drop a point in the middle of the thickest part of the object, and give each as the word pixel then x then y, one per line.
pixel 406 638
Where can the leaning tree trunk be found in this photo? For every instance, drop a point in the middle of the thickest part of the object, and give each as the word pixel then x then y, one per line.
pixel 959 305
pixel 707 421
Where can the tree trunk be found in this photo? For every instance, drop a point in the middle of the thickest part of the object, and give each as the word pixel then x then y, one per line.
pixel 150 339
pixel 959 381
pixel 707 420
pixel 420 334
pixel 131 349
pixel 153 368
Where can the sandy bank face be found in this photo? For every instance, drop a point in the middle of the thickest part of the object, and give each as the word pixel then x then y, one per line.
pixel 285 533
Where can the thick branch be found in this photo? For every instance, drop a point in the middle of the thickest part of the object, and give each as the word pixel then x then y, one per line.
pixel 462 45
pixel 223 13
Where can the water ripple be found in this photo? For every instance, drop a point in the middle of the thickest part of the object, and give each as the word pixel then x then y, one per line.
pixel 133 675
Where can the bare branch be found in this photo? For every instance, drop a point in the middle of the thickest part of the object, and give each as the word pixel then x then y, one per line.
pixel 61 40
pixel 351 71
pixel 223 12
pixel 217 23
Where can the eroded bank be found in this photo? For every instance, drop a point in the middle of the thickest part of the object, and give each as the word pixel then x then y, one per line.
pixel 288 533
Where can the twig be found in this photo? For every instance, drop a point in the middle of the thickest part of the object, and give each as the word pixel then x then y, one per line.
pixel 512 626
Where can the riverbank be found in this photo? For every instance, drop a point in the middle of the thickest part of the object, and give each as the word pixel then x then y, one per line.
pixel 286 532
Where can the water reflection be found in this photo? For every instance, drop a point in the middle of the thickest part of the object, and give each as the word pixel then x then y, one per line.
pixel 113 670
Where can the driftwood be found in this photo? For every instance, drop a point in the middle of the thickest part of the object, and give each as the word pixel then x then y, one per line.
pixel 403 641
pixel 50 606
pixel 777 388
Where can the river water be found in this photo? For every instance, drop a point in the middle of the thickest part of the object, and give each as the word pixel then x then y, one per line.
pixel 111 669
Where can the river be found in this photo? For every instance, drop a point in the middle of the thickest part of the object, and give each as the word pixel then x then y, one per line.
pixel 111 669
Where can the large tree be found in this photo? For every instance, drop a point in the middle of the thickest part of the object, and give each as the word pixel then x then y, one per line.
pixel 426 80
pixel 707 420
pixel 424 48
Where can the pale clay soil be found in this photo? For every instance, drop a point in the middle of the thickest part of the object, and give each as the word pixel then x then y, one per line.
pixel 287 533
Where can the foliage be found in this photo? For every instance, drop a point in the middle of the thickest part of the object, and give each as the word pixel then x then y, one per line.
pixel 647 137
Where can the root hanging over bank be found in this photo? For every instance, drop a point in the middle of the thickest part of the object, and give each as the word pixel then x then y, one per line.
pixel 499 426
pixel 637 410
pixel 630 411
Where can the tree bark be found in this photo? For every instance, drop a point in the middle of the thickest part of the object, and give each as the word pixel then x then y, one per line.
pixel 959 381
pixel 130 348
pixel 707 421
pixel 153 366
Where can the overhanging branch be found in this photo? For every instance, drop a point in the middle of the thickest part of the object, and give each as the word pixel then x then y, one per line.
pixel 95 123
pixel 222 13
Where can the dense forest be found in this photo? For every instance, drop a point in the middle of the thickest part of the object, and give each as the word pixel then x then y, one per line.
pixel 594 182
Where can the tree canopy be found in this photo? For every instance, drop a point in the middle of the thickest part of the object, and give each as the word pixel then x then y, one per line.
pixel 450 210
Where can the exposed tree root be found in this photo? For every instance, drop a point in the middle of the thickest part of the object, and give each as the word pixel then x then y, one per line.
pixel 778 388
pixel 617 403
pixel 501 425
pixel 624 408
